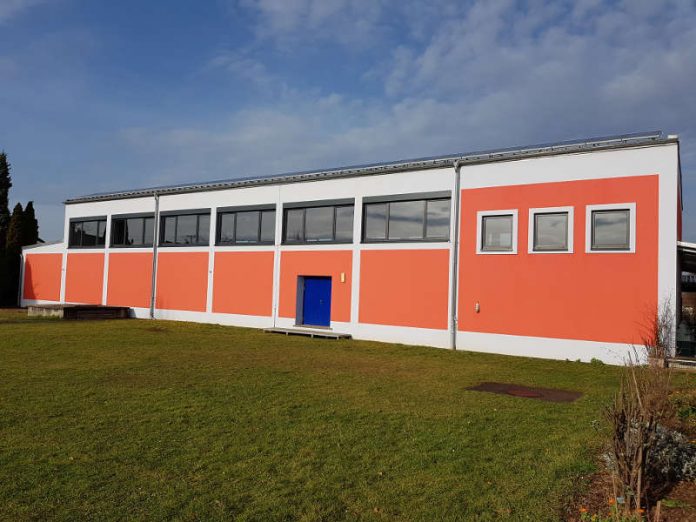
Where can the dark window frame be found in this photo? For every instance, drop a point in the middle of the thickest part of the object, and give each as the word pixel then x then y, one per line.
pixel 334 205
pixel 629 231
pixel 405 198
pixel 239 210
pixel 182 213
pixel 565 213
pixel 496 250
pixel 82 220
pixel 142 215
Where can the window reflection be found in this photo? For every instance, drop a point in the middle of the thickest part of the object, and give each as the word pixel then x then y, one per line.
pixel 344 223
pixel 438 219
pixel 406 220
pixel 551 231
pixel 294 225
pixel 87 233
pixel 247 228
pixel 414 220
pixel 185 229
pixel 496 233
pixel 376 221
pixel 611 229
pixel 317 224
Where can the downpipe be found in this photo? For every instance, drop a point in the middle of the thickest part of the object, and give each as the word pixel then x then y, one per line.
pixel 454 276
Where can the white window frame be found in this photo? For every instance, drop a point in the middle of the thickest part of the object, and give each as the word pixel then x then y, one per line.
pixel 551 210
pixel 631 207
pixel 479 230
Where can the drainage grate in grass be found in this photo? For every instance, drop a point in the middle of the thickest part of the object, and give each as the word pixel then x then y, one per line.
pixel 516 390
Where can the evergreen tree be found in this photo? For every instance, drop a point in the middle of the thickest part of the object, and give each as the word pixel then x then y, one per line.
pixel 15 231
pixel 31 226
pixel 13 248
pixel 5 184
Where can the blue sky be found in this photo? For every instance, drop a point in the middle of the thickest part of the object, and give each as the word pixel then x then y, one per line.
pixel 103 95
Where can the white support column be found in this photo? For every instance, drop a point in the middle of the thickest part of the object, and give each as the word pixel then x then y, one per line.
pixel 64 260
pixel 211 260
pixel 276 254
pixel 105 275
pixel 63 271
pixel 355 275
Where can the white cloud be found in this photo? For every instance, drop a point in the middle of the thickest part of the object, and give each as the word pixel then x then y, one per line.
pixel 350 22
pixel 11 8
pixel 489 76
pixel 246 68
pixel 494 76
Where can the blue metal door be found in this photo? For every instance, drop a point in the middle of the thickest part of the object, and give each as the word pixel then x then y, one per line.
pixel 316 301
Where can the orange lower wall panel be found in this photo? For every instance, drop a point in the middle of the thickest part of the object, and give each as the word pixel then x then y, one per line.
pixel 182 281
pixel 42 274
pixel 607 297
pixel 130 279
pixel 317 263
pixel 243 283
pixel 84 279
pixel 404 287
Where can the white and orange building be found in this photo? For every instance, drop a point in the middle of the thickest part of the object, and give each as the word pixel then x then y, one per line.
pixel 560 251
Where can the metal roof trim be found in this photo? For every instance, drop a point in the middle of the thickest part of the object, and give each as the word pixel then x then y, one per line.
pixel 489 156
pixel 39 245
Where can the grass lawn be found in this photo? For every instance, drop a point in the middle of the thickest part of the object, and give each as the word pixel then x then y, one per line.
pixel 149 420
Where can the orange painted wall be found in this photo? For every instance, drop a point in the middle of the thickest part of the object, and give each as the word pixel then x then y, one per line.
pixel 42 276
pixel 84 279
pixel 316 263
pixel 130 279
pixel 182 281
pixel 599 297
pixel 404 287
pixel 243 283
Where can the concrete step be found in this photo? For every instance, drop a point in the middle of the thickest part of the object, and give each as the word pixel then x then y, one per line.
pixel 682 363
pixel 80 312
pixel 325 334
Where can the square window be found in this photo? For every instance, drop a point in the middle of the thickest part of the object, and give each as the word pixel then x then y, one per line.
pixel 551 231
pixel 497 233
pixel 611 229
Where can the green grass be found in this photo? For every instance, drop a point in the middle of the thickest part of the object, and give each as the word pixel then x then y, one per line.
pixel 150 420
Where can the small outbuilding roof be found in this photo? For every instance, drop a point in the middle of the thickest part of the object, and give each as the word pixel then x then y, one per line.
pixel 467 158
pixel 687 256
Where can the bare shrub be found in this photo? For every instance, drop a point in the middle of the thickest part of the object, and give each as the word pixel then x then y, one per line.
pixel 634 417
pixel 659 337
pixel 647 457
